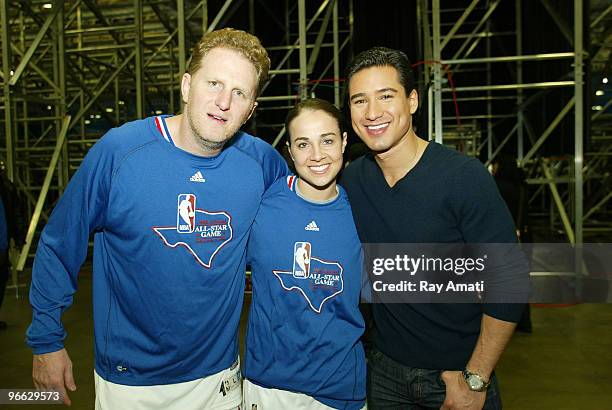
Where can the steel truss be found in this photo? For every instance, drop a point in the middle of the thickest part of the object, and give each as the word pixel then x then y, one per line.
pixel 73 69
pixel 459 40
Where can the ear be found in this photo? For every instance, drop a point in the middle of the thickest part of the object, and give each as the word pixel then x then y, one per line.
pixel 413 101
pixel 344 141
pixel 251 112
pixel 289 150
pixel 185 87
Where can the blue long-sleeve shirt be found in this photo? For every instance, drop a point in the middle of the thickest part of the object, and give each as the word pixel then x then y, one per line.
pixel 304 325
pixel 170 231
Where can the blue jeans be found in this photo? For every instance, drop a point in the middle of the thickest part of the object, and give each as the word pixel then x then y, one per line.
pixel 392 385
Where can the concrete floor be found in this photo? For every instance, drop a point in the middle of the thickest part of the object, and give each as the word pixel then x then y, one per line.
pixel 566 363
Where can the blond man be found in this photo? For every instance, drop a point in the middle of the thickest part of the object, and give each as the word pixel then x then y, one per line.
pixel 168 284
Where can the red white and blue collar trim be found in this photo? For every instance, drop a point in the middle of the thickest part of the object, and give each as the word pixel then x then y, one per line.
pixel 291 179
pixel 160 123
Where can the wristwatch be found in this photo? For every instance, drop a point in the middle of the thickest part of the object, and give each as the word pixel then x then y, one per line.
pixel 475 381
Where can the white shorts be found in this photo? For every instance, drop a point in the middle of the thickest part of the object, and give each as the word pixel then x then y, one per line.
pixel 260 398
pixel 220 391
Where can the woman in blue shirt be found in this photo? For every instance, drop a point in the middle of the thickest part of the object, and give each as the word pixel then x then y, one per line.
pixel 303 349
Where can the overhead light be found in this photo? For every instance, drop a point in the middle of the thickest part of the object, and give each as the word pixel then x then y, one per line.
pixel 87 122
pixel 159 112
pixel 109 109
pixel 98 116
pixel 605 80
pixel 12 72
pixel 121 102
pixel 49 107
pixel 597 108
pixel 599 93
pixel 92 116
pixel 47 6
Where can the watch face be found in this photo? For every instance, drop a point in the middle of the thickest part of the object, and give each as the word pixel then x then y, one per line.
pixel 475 382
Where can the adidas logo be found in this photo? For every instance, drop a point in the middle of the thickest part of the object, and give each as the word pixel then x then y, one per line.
pixel 312 227
pixel 197 177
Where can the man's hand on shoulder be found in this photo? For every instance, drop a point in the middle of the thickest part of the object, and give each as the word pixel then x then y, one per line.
pixel 53 371
pixel 458 394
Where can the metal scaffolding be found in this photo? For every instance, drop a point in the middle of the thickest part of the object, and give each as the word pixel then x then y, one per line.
pixel 460 44
pixel 73 69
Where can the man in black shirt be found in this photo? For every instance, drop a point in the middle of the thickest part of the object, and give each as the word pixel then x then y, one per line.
pixel 409 190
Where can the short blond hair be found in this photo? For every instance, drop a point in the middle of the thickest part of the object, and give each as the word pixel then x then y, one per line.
pixel 244 43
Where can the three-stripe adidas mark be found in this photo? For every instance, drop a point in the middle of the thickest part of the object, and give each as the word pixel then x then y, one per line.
pixel 312 226
pixel 197 177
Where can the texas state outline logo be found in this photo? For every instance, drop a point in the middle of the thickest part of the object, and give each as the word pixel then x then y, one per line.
pixel 203 233
pixel 316 279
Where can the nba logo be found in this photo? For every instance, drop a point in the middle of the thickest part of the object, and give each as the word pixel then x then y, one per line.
pixel 185 213
pixel 301 259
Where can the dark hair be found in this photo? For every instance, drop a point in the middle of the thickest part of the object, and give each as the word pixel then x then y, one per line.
pixel 380 57
pixel 506 168
pixel 315 104
pixel 357 150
